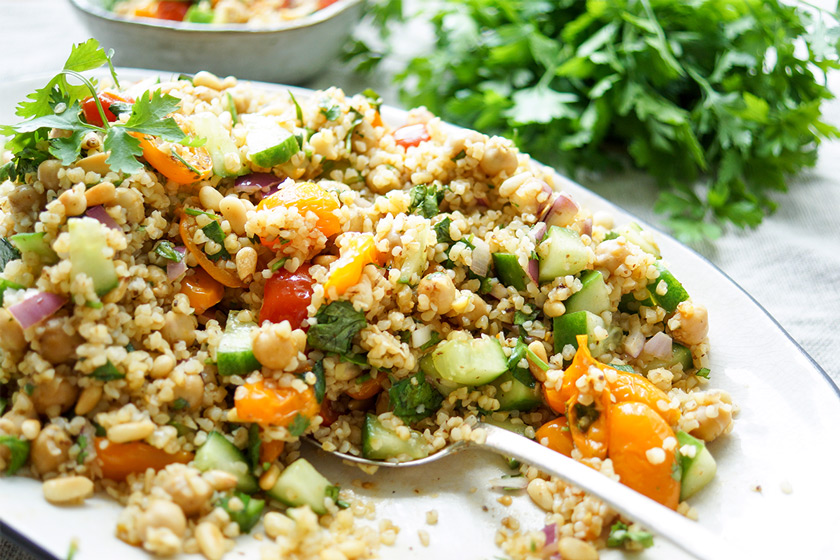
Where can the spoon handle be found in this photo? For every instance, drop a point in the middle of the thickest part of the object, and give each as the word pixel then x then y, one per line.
pixel 689 536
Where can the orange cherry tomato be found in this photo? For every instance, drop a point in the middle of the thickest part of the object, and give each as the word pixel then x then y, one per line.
pixel 346 272
pixel 172 10
pixel 287 295
pixel 555 434
pixel 554 400
pixel 629 387
pixel 324 3
pixel 106 98
pixel 269 405
pixel 271 450
pixel 118 460
pixel 186 228
pixel 411 135
pixel 306 197
pixel 367 388
pixel 204 292
pixel 634 430
pixel 180 164
pixel 328 413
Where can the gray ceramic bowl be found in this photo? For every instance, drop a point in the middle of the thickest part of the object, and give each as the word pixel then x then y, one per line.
pixel 289 53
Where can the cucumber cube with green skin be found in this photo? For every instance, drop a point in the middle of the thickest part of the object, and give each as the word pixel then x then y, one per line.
pixel 219 145
pixel 674 293
pixel 415 261
pixel 217 453
pixel 380 443
pixel 470 362
pixel 634 233
pixel 569 325
pixel 427 366
pixel 300 484
pixel 594 296
pixel 270 143
pixel 697 471
pixel 509 271
pixel 87 244
pixel 36 244
pixel 561 253
pixel 235 355
pixel 679 355
pixel 516 427
pixel 518 395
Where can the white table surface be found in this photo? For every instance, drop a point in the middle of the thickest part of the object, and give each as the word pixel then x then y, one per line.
pixel 790 264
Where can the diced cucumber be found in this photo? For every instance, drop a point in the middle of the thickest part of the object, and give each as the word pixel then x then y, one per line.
pixel 679 355
pixel 634 233
pixel 515 427
pixel 220 145
pixel 217 453
pixel 594 296
pixel 248 516
pixel 518 396
pixel 235 355
pixel 380 443
pixel 270 144
pixel 301 485
pixel 36 244
pixel 427 366
pixel 470 362
pixel 414 262
pixel 569 325
pixel 674 294
pixel 561 253
pixel 196 14
pixel 509 271
pixel 629 303
pixel 87 243
pixel 697 471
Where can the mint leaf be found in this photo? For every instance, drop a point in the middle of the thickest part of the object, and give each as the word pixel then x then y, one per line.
pixel 337 324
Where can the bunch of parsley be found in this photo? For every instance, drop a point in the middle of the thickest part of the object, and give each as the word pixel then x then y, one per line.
pixel 57 105
pixel 719 100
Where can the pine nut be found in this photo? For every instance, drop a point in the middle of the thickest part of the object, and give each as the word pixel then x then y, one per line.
pixel 95 163
pixel 88 399
pixel 269 478
pixel 571 548
pixel 207 79
pixel 539 350
pixel 220 480
pixel 132 431
pixel 74 203
pixel 277 524
pixel 30 429
pixel 540 494
pixel 211 542
pixel 210 198
pixel 234 212
pixel 246 262
pixel 132 202
pixel 67 490
pixel 103 193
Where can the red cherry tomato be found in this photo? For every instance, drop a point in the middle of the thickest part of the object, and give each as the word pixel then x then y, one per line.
pixel 411 135
pixel 91 111
pixel 172 10
pixel 287 295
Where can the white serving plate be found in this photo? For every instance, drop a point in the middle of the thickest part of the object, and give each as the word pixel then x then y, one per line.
pixel 784 443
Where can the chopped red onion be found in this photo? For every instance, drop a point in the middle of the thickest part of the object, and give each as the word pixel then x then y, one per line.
pixel 634 342
pixel 480 257
pixel 538 231
pixel 482 202
pixel 562 211
pixel 35 309
pixel 659 345
pixel 176 270
pixel 254 182
pixel 550 534
pixel 99 214
pixel 534 270
pixel 586 227
pixel 545 204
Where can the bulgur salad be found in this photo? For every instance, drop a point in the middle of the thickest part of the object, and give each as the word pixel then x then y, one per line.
pixel 196 273
pixel 253 12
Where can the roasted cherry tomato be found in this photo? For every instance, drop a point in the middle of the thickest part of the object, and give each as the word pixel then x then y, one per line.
pixel 118 460
pixel 203 290
pixel 555 434
pixel 269 405
pixel 91 111
pixel 411 135
pixel 306 197
pixel 287 295
pixel 328 413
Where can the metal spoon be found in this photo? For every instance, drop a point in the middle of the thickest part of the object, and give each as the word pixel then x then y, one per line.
pixel 687 535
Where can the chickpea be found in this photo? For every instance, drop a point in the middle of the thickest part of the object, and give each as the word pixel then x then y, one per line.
pixel 693 323
pixel 54 397
pixel 189 491
pixel 191 391
pixel 25 199
pixel 480 309
pixel 48 173
pixel 177 327
pixel 276 346
pixel 56 346
pixel 497 160
pixel 74 202
pixel 531 196
pixel 439 290
pixel 50 449
pixel 162 514
pixel 132 202
pixel 11 334
pixel 713 414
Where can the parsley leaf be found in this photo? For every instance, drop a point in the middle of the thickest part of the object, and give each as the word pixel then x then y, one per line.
pixel 329 110
pixel 298 425
pixel 19 450
pixel 214 233
pixel 337 324
pixel 425 200
pixel 414 398
pixel 703 372
pixel 619 535
pixel 442 230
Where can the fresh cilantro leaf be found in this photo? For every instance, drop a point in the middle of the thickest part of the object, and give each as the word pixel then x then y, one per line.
pixel 414 398
pixel 298 425
pixel 442 230
pixel 337 324
pixel 373 98
pixel 166 250
pixel 703 372
pixel 19 450
pixel 425 200
pixel 124 150
pixel 108 372
pixel 330 110
pixel 150 116
pixel 623 367
pixel 619 535
pixel 67 149
pixel 214 233
pixel 8 252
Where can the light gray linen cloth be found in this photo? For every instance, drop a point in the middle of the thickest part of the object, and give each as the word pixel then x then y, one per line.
pixel 790 264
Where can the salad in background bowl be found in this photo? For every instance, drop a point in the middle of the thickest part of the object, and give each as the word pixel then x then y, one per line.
pixel 291 51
